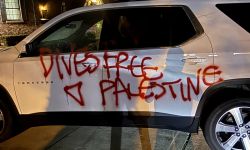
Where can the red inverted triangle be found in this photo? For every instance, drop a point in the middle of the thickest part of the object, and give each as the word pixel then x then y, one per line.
pixel 77 97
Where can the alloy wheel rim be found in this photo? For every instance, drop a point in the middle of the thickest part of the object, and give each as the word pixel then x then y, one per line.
pixel 233 129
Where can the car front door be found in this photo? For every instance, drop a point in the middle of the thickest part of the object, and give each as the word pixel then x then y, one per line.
pixel 59 73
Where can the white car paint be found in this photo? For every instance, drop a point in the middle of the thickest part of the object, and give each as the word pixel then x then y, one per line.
pixel 7 57
pixel 36 93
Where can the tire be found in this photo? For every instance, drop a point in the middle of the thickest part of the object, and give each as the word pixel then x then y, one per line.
pixel 228 126
pixel 6 122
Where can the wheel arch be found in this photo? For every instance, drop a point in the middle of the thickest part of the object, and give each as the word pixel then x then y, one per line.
pixel 7 99
pixel 219 93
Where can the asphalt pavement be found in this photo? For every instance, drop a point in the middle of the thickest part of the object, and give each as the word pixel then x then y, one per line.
pixel 102 138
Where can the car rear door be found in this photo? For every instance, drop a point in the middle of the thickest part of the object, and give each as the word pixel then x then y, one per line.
pixel 156 59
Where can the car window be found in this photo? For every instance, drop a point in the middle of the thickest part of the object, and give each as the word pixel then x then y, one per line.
pixel 238 12
pixel 146 27
pixel 76 34
pixel 119 29
pixel 94 33
pixel 64 32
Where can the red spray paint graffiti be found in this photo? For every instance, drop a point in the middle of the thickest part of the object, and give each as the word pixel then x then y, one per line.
pixel 82 60
pixel 148 86
pixel 78 60
pixel 78 99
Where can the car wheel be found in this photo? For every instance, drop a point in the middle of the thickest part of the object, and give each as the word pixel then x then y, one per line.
pixel 228 126
pixel 6 122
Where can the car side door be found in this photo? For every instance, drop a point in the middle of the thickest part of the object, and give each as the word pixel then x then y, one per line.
pixel 58 71
pixel 157 60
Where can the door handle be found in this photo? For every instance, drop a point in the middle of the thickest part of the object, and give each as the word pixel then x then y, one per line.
pixel 194 60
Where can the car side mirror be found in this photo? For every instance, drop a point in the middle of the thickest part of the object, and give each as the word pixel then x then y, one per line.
pixel 23 54
pixel 29 48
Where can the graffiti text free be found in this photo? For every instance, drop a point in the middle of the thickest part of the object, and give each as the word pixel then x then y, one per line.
pixel 147 87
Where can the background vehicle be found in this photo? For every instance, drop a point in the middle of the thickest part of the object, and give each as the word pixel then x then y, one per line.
pixel 165 64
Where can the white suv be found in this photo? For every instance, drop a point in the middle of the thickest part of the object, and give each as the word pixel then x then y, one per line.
pixel 164 64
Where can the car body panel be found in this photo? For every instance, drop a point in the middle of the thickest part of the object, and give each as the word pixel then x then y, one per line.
pixel 7 57
pixel 231 48
pixel 174 64
pixel 170 63
pixel 187 69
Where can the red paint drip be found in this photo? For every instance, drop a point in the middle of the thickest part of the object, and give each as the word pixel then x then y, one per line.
pixel 46 71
